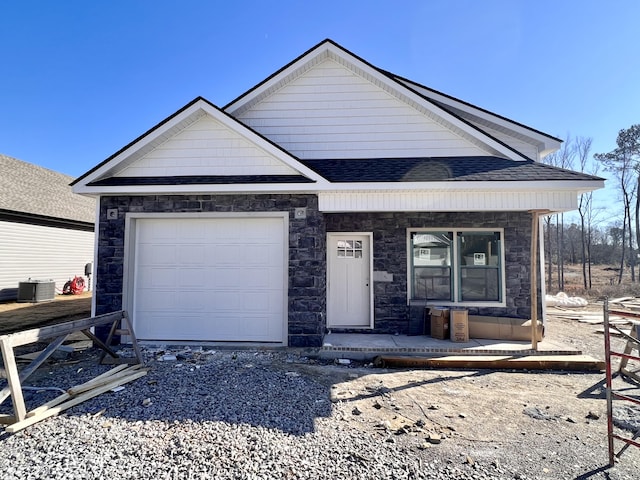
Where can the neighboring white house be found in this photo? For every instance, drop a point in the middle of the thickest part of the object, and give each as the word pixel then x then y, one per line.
pixel 46 231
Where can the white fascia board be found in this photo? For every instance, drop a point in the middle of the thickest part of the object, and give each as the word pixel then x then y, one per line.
pixel 547 143
pixel 571 185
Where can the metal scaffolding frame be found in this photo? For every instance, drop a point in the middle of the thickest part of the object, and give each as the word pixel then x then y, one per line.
pixel 633 343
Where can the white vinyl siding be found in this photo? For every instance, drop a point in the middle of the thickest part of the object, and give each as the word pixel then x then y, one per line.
pixel 331 112
pixel 42 253
pixel 518 144
pixel 442 200
pixel 521 138
pixel 206 147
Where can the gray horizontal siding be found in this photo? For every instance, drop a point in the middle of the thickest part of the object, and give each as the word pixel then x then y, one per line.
pixel 42 253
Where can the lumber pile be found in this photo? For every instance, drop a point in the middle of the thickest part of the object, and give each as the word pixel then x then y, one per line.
pixel 620 311
pixel 102 383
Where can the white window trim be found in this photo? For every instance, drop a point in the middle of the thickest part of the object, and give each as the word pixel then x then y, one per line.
pixel 455 268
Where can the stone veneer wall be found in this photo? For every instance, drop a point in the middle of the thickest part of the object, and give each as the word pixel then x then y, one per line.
pixel 307 257
pixel 392 314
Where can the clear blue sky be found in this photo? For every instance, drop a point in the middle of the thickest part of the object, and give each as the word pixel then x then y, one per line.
pixel 81 79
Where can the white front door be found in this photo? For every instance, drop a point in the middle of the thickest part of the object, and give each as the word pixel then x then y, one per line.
pixel 349 287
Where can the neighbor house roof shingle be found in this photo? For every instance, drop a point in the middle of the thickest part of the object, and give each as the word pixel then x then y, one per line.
pixel 36 191
pixel 440 169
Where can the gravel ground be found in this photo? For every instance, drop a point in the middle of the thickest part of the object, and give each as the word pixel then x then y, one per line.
pixel 279 415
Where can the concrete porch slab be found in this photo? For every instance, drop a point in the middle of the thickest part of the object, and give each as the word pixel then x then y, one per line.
pixel 365 347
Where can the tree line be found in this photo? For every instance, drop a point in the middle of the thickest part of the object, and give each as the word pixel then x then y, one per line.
pixel 596 238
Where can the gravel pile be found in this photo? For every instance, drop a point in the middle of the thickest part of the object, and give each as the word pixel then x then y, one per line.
pixel 222 415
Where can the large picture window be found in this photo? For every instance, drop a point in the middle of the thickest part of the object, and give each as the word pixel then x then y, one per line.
pixel 456 266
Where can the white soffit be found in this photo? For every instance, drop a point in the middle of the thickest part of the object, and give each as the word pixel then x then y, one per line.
pixel 328 50
pixel 452 201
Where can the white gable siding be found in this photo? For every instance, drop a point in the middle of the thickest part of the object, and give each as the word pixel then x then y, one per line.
pixel 517 143
pixel 521 146
pixel 206 147
pixel 42 253
pixel 330 112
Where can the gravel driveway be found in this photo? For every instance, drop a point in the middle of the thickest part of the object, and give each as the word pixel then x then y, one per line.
pixel 277 415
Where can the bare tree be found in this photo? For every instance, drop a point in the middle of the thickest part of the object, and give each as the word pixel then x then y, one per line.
pixel 624 163
pixel 583 146
pixel 621 165
pixel 564 159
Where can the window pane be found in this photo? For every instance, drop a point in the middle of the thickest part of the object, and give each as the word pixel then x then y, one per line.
pixel 432 249
pixel 479 248
pixel 432 283
pixel 431 262
pixel 479 258
pixel 479 284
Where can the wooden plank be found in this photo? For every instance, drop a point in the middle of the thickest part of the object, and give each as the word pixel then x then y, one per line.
pixel 533 362
pixel 102 381
pixel 534 279
pixel 36 362
pixel 23 423
pixel 100 343
pixel 13 377
pixel 39 334
pixel 134 340
pixel 65 396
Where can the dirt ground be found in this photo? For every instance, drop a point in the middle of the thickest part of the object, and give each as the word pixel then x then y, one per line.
pixel 553 421
pixel 547 417
pixel 21 316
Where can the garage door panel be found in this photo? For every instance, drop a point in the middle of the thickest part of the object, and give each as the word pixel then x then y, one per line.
pixel 263 302
pixel 154 300
pixel 189 301
pixel 226 278
pixel 225 301
pixel 190 254
pixel 263 254
pixel 152 277
pixel 158 233
pixel 157 254
pixel 214 279
pixel 228 254
pixel 191 277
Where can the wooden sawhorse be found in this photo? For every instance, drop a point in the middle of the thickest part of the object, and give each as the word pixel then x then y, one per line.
pixel 119 321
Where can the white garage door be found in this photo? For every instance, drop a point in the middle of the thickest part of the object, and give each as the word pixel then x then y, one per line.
pixel 210 279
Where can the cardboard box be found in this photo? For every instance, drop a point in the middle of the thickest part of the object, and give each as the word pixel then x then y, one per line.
pixel 439 323
pixel 502 328
pixel 459 331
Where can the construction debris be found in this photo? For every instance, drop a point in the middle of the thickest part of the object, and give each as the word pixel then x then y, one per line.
pixel 561 299
pixel 116 377
pixel 622 309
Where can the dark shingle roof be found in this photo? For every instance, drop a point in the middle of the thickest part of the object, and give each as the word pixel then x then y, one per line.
pixel 29 189
pixel 201 180
pixel 440 169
